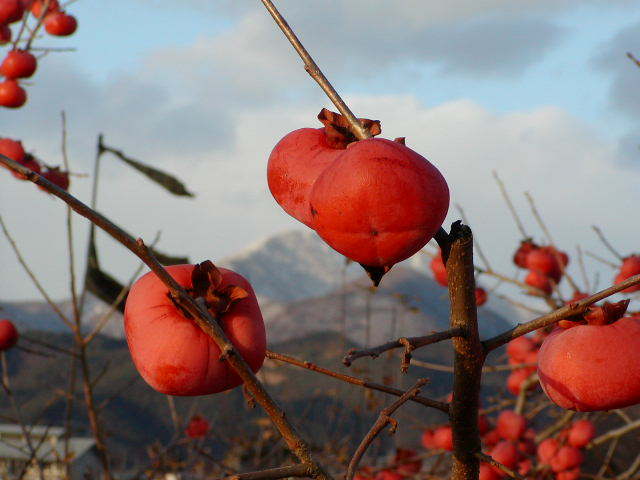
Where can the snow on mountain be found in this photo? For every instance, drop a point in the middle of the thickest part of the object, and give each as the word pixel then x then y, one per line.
pixel 291 266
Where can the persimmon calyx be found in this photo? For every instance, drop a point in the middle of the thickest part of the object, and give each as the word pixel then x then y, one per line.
pixel 607 313
pixel 337 129
pixel 207 284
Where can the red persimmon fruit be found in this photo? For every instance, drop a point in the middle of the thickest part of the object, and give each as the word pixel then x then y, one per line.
pixel 592 367
pixel 8 334
pixel 12 95
pixel 18 64
pixel 171 352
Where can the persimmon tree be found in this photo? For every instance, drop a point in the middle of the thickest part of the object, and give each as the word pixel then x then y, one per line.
pixel 203 302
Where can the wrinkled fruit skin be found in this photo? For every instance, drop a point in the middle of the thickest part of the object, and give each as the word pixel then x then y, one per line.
pixel 8 334
pixel 379 202
pixel 592 367
pixel 172 353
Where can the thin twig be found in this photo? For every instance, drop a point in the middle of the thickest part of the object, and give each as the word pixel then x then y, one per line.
pixel 556 427
pixel 476 244
pixel 409 343
pixel 489 459
pixel 547 233
pixel 633 59
pixel 571 310
pixel 583 269
pixel 602 260
pixel 312 69
pixel 383 420
pixel 273 473
pixel 70 247
pixel 28 270
pixel 356 381
pixel 606 242
pixel 618 432
pixel 512 209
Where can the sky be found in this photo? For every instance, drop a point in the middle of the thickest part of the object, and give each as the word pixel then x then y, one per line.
pixel 540 92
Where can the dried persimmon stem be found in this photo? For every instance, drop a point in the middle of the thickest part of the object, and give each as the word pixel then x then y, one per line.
pixel 312 68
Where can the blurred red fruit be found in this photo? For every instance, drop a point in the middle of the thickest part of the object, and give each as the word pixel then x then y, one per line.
pixel 443 438
pixel 388 475
pixel 520 257
pixel 439 270
pixel 566 458
pixel 60 24
pixel 511 425
pixel 198 427
pixel 12 95
pixel 573 474
pixel 12 149
pixel 10 11
pixel 506 453
pixel 481 296
pixel 5 34
pixel 519 348
pixel 57 177
pixel 407 462
pixel 547 449
pixel 37 7
pixel 581 433
pixel 18 64
pixel 8 334
pixel 540 281
pixel 488 473
pixel 427 439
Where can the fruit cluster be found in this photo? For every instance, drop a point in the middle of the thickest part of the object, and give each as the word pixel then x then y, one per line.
pixel 375 201
pixel 511 441
pixel 198 427
pixel 546 265
pixel 15 151
pixel 20 63
pixel 439 271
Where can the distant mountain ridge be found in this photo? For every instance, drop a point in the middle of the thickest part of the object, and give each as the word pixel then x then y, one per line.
pixel 303 287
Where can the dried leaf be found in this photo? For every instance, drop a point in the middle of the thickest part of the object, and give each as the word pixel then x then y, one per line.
pixel 337 129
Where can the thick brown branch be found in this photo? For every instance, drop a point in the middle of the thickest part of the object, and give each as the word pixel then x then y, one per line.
pixel 383 420
pixel 201 316
pixel 468 358
pixel 273 473
pixel 571 310
pixel 312 69
pixel 409 343
pixel 442 406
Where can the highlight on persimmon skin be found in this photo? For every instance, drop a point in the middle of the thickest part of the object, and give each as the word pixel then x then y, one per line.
pixel 379 203
pixel 592 367
pixel 172 353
